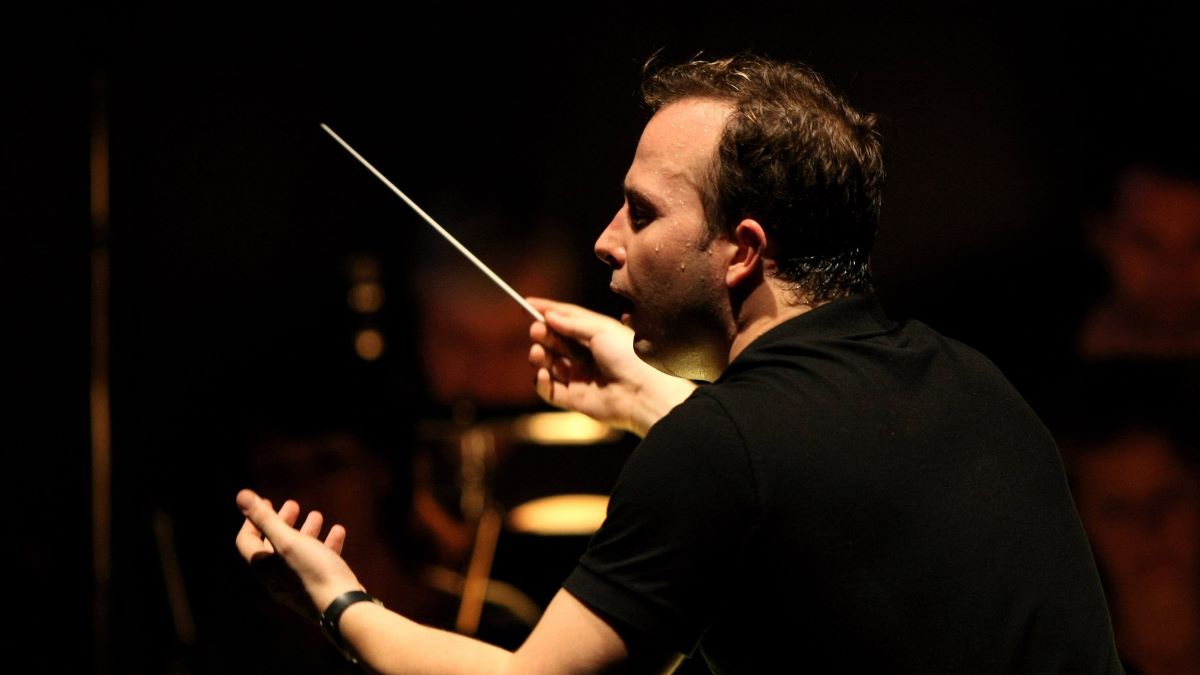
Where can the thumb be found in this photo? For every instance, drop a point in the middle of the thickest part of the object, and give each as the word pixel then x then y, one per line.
pixel 246 500
pixel 259 512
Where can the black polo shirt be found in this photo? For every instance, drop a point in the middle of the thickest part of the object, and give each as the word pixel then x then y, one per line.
pixel 852 495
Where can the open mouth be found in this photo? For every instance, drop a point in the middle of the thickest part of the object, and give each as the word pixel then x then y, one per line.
pixel 625 306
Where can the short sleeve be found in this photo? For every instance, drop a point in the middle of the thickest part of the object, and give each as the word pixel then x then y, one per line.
pixel 680 515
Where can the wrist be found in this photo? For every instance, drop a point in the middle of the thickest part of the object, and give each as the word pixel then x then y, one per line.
pixel 332 615
pixel 334 585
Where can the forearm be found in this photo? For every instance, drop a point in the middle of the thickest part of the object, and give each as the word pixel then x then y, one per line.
pixel 391 644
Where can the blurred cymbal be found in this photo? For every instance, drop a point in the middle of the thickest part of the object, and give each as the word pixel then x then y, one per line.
pixel 543 428
pixel 562 428
pixel 570 514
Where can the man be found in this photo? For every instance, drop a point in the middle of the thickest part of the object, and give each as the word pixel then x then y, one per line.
pixel 1147 237
pixel 848 495
pixel 1133 465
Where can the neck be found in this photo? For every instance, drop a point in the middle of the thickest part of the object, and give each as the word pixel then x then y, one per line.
pixel 767 306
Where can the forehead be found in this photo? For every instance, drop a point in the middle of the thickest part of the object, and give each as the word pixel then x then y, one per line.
pixel 1160 204
pixel 678 143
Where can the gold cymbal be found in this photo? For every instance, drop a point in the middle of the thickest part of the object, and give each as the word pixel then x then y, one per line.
pixel 562 428
pixel 571 514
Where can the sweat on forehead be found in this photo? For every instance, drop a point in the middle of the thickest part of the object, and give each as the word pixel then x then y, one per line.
pixel 679 142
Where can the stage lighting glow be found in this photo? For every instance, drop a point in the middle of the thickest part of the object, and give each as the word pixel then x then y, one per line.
pixel 563 428
pixel 576 514
pixel 365 297
pixel 368 344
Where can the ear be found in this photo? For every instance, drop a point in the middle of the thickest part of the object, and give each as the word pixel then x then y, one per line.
pixel 748 247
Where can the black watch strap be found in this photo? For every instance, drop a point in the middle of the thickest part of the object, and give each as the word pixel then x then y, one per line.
pixel 333 614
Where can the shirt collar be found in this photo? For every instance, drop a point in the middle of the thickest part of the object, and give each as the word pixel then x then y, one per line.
pixel 857 316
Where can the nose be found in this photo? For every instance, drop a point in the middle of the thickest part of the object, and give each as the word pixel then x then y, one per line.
pixel 608 246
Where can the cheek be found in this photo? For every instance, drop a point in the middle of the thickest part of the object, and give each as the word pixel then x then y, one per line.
pixel 1115 544
pixel 648 261
pixel 1191 280
pixel 1183 531
pixel 1134 272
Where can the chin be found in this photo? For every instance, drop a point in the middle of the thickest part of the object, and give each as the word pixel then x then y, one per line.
pixel 688 366
pixel 686 363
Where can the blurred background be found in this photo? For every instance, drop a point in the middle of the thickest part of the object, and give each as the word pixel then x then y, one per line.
pixel 207 293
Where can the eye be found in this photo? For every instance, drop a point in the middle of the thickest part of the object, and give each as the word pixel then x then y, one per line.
pixel 639 215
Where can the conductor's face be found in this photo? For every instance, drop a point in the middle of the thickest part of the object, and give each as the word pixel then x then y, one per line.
pixel 663 262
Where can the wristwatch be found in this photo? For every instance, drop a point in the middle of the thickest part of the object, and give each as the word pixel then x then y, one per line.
pixel 333 614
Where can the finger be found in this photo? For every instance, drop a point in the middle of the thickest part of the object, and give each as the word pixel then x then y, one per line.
pixel 289 512
pixel 560 370
pixel 538 331
pixel 542 384
pixel 266 520
pixel 249 540
pixel 538 356
pixel 265 544
pixel 312 524
pixel 580 324
pixel 250 530
pixel 545 387
pixel 553 342
pixel 560 367
pixel 544 305
pixel 336 539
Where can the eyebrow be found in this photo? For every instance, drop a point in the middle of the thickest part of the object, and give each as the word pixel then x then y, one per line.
pixel 632 194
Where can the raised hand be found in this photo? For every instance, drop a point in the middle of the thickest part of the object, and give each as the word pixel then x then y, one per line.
pixel 300 570
pixel 585 362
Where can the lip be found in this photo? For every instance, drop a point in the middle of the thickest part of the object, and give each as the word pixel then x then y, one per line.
pixel 626 316
pixel 622 293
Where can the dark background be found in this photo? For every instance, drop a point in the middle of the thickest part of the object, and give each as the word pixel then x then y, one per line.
pixel 232 216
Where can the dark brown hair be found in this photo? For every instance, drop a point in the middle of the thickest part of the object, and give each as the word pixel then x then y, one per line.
pixel 795 157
